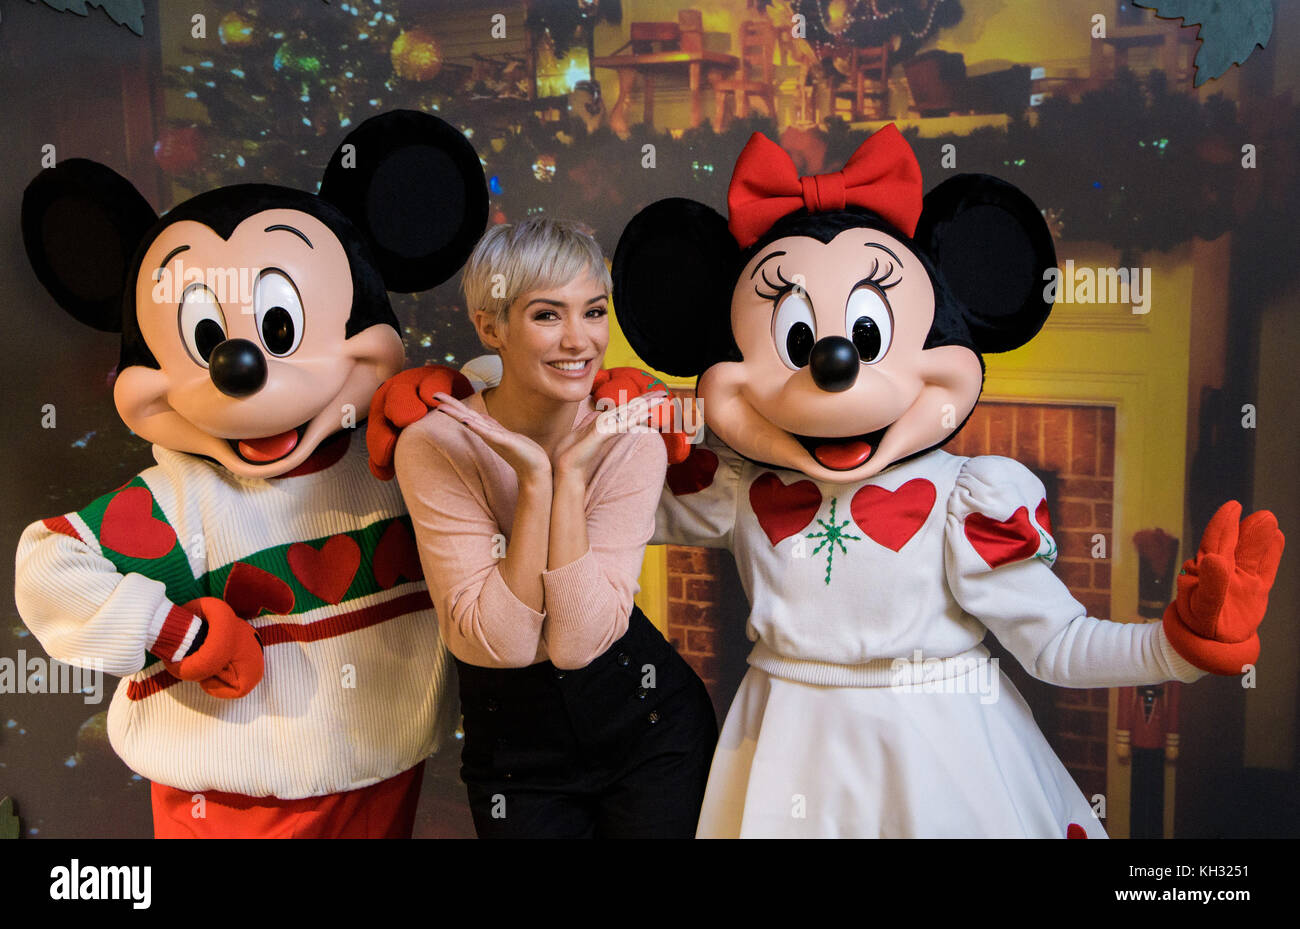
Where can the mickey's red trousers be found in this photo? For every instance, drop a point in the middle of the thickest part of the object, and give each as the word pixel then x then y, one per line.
pixel 381 811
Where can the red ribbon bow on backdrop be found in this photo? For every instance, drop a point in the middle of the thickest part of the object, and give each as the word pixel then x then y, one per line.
pixel 882 176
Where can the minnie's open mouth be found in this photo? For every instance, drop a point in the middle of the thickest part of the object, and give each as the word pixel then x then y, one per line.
pixel 842 453
pixel 268 449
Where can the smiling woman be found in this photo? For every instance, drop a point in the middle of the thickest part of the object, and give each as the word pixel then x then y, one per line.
pixel 532 510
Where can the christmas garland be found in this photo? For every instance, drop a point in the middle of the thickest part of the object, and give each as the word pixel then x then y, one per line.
pixel 842 24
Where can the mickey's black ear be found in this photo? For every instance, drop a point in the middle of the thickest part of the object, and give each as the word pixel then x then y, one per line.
pixel 672 275
pixel 991 246
pixel 82 223
pixel 414 187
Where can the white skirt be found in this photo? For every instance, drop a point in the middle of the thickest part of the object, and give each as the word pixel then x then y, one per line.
pixel 803 760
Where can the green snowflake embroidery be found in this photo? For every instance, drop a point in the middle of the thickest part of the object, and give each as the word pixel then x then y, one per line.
pixel 832 534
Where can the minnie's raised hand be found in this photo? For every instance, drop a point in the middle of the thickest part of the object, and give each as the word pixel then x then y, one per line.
pixel 1223 591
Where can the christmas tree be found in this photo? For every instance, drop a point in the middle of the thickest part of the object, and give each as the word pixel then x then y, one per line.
pixel 279 90
pixel 285 82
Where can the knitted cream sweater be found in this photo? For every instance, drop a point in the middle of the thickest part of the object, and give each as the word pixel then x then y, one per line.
pixel 324 566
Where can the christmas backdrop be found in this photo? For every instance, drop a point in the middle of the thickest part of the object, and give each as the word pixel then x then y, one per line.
pixel 1121 152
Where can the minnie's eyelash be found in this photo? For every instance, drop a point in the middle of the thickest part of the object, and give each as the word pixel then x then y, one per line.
pixel 778 291
pixel 875 278
pixel 880 280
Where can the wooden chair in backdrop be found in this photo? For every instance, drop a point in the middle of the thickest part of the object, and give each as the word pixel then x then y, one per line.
pixel 664 48
pixel 868 87
pixel 756 75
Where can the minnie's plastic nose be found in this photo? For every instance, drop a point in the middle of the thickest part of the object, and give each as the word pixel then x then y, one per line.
pixel 834 363
pixel 237 367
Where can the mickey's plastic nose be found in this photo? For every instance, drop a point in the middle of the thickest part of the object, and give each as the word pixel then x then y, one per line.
pixel 834 363
pixel 237 367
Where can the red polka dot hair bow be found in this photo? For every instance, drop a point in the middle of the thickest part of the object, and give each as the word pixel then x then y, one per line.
pixel 882 176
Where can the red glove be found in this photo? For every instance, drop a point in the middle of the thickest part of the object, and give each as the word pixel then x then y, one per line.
pixel 404 399
pixel 619 385
pixel 1223 591
pixel 229 662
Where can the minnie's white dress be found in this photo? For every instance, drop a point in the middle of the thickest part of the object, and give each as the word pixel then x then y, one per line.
pixel 870 707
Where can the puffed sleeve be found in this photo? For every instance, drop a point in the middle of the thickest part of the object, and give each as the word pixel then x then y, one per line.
pixel 999 553
pixel 698 505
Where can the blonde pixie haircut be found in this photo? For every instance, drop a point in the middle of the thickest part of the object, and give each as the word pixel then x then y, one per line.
pixel 533 254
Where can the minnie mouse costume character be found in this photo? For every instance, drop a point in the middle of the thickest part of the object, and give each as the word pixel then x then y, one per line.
pixel 257 590
pixel 837 325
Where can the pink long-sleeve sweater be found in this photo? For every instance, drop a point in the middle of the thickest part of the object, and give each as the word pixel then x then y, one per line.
pixel 461 496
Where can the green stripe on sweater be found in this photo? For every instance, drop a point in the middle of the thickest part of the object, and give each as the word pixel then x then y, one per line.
pixel 173 568
pixel 275 560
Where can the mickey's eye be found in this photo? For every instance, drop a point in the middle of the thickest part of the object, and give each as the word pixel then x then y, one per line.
pixel 869 323
pixel 202 325
pixel 794 330
pixel 277 311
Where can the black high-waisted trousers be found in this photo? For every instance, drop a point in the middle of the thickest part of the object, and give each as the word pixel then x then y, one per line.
pixel 618 749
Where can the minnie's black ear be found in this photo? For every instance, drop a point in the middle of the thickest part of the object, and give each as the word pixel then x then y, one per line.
pixel 414 187
pixel 991 246
pixel 82 223
pixel 672 277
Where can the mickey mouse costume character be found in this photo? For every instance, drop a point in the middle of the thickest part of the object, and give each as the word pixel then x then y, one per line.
pixel 257 590
pixel 837 325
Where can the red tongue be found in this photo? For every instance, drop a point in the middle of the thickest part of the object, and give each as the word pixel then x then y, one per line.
pixel 271 448
pixel 843 456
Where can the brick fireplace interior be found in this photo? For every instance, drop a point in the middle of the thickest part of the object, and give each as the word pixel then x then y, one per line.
pixel 1072 449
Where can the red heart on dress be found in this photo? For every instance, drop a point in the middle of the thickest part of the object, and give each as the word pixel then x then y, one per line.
pixel 129 526
pixel 782 511
pixel 396 556
pixel 694 474
pixel 327 573
pixel 249 590
pixel 1002 541
pixel 1075 831
pixel 891 518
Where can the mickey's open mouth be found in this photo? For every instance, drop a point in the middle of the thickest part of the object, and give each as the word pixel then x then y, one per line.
pixel 269 448
pixel 842 453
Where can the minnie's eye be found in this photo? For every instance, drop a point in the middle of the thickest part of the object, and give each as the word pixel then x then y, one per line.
pixel 277 312
pixel 202 325
pixel 794 330
pixel 869 323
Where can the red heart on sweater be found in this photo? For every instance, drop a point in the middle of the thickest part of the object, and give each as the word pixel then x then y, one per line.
pixel 1075 831
pixel 327 573
pixel 1002 541
pixel 694 474
pixel 892 517
pixel 782 511
pixel 129 526
pixel 249 590
pixel 396 556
